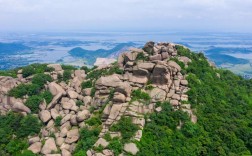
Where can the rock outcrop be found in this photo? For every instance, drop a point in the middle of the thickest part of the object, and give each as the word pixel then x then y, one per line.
pixel 152 67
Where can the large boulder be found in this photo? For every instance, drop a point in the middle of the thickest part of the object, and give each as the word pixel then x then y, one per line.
pixel 56 67
pixel 82 115
pixel 35 147
pixel 160 75
pixel 174 65
pixel 156 57
pixel 124 88
pixel 80 74
pixel 7 83
pixel 72 94
pixel 109 81
pixel 72 136
pixel 45 115
pixel 49 146
pixel 54 101
pixel 55 89
pixel 115 110
pixel 20 107
pixel 101 142
pixel 140 72
pixel 157 94
pixel 149 47
pixel 138 79
pixel 119 97
pixel 131 148
pixel 146 65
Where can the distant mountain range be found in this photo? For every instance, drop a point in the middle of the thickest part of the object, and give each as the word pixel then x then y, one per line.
pixel 12 48
pixel 91 55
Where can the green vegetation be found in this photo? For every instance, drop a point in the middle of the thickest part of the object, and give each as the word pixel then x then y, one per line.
pixel 126 127
pixel 57 121
pixel 86 84
pixel 79 103
pixel 24 89
pixel 94 121
pixel 138 95
pixel 33 103
pixel 87 70
pixel 93 92
pixel 88 137
pixel 11 73
pixel 116 146
pixel 41 79
pixel 35 69
pixel 141 56
pixel 66 75
pixel 14 128
pixel 68 67
pixel 224 108
pixel 47 95
pixel 95 73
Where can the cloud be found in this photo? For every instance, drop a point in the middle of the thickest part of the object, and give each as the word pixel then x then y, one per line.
pixel 125 15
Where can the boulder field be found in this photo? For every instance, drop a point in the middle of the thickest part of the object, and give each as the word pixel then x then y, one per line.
pixel 153 70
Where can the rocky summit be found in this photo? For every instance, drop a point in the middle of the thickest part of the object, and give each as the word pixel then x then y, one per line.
pixel 103 110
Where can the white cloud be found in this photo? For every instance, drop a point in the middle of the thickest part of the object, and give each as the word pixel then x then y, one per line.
pixel 125 14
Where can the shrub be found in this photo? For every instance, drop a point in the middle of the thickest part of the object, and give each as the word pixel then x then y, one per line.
pixel 28 71
pixel 114 70
pixel 181 64
pixel 33 103
pixel 116 146
pixel 79 103
pixel 66 75
pixel 141 56
pixel 59 77
pixel 19 91
pixel 26 153
pixel 126 127
pixel 24 89
pixel 93 92
pixel 88 137
pixel 58 121
pixel 190 129
pixel 91 109
pixel 149 87
pixel 68 67
pixel 11 73
pixel 32 89
pixel 29 125
pixel 16 145
pixel 94 121
pixel 86 84
pixel 41 79
pixel 47 95
pixel 138 95
pixel 87 70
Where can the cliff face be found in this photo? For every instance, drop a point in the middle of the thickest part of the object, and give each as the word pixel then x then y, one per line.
pixel 104 110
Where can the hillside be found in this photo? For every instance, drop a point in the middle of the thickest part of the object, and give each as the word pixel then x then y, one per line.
pixel 159 100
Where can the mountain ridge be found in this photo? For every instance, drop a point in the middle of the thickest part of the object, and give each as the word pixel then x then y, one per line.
pixel 162 99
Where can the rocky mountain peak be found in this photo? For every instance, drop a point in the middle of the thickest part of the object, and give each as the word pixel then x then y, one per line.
pixel 125 91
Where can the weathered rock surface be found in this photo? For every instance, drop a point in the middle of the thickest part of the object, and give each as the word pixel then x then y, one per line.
pixel 49 146
pixel 131 148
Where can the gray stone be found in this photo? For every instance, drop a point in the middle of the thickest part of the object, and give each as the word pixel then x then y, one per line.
pixel 49 146
pixel 131 148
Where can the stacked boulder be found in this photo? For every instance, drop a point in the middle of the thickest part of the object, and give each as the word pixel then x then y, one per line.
pixel 157 68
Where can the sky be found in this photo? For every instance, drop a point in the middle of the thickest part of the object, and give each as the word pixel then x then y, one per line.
pixel 126 15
